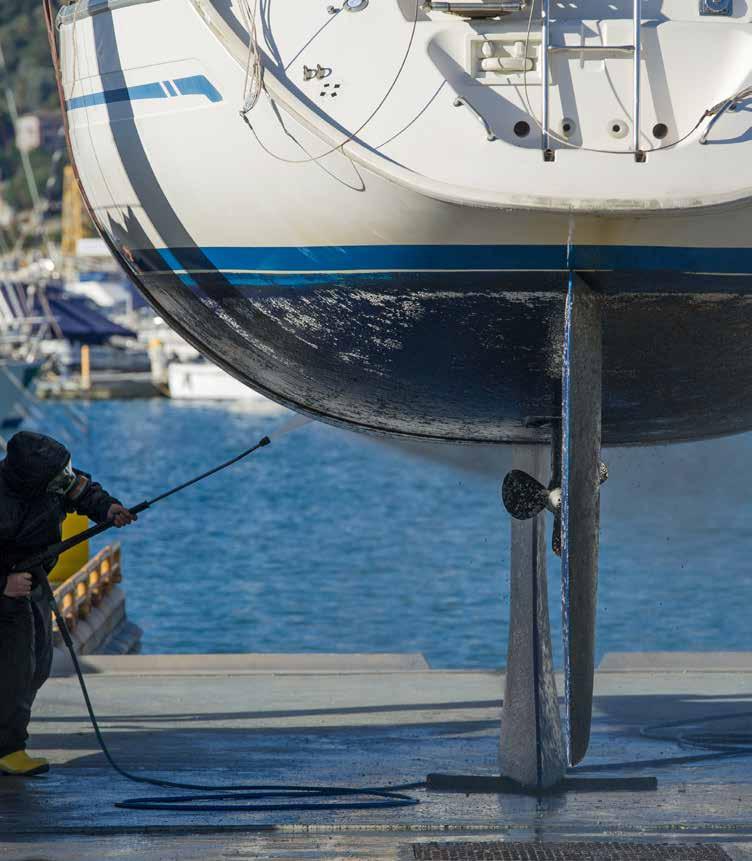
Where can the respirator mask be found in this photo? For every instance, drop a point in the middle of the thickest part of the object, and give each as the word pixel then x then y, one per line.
pixel 67 482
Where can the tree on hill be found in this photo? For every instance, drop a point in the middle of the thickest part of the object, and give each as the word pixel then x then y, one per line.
pixel 23 37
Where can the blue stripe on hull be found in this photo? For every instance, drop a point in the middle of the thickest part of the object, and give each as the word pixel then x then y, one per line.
pixel 193 85
pixel 432 258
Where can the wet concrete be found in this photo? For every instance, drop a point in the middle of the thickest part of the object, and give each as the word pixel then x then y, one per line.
pixel 363 726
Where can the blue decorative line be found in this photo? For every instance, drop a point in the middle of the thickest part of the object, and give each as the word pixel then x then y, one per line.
pixel 170 259
pixel 193 85
pixel 297 279
pixel 245 262
pixel 198 85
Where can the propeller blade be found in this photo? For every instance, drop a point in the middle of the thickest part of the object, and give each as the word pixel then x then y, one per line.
pixel 523 496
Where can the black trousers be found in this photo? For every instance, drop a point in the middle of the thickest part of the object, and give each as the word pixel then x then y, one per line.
pixel 25 662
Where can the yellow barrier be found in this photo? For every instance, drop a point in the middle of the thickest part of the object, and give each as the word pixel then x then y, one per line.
pixel 72 560
pixel 86 589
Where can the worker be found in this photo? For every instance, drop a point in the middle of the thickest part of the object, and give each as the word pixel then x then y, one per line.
pixel 38 487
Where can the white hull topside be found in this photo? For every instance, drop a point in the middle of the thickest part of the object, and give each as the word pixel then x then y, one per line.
pixel 418 141
pixel 358 248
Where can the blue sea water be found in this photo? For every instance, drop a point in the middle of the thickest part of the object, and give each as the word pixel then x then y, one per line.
pixel 327 541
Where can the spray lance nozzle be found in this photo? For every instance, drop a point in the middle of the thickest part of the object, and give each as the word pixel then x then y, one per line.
pixel 56 549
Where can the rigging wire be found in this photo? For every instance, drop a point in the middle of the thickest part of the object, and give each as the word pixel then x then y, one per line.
pixel 253 83
pixel 351 135
pixel 415 119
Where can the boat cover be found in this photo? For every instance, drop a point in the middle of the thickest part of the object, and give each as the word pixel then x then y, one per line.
pixel 77 318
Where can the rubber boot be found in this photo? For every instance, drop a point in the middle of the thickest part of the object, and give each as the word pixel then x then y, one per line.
pixel 20 764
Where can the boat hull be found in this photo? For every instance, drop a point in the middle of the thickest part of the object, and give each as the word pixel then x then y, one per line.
pixel 474 356
pixel 356 297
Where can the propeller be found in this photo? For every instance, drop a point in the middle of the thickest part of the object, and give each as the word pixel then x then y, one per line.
pixel 525 497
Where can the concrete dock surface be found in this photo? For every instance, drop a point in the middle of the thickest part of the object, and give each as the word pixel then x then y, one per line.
pixel 367 720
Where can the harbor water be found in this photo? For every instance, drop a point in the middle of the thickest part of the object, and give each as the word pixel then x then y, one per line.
pixel 328 541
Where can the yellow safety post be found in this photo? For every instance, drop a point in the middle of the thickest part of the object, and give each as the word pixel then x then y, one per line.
pixel 74 221
pixel 69 610
pixel 85 368
pixel 72 560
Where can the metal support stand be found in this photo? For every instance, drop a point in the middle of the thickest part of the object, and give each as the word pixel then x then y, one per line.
pixel 531 750
pixel 532 756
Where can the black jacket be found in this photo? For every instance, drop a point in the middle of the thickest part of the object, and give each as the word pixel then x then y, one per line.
pixel 30 517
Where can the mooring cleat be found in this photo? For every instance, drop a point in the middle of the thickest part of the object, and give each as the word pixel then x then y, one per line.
pixel 20 764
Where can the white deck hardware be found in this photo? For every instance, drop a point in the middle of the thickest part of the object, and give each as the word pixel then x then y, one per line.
pixel 513 64
pixel 717 7
pixel 635 50
pixel 476 9
pixel 544 52
pixel 637 26
pixel 460 102
pixel 600 50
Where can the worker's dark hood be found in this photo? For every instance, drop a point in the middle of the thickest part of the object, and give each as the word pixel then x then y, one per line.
pixel 31 462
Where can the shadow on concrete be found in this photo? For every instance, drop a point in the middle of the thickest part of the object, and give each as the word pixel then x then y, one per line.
pixel 637 711
pixel 282 713
pixel 275 750
pixel 644 721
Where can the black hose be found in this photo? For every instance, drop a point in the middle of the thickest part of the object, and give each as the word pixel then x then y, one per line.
pixel 725 743
pixel 714 746
pixel 386 796
pixel 382 796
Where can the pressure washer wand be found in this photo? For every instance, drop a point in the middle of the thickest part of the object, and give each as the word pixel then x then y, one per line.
pixel 56 549
pixel 243 798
